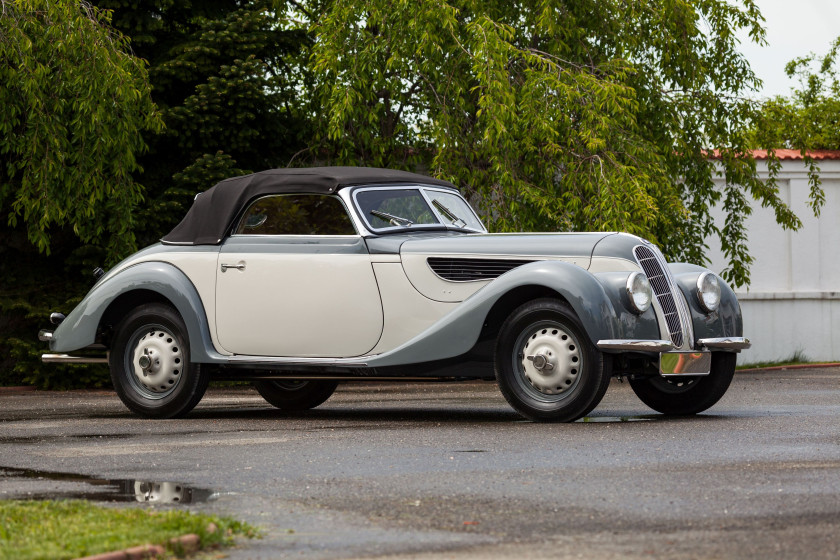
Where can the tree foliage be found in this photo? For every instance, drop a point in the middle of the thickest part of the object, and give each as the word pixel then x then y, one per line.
pixel 219 72
pixel 73 107
pixel 555 114
pixel 74 104
pixel 807 120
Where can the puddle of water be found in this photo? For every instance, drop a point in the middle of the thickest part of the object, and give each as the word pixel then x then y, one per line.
pixel 122 490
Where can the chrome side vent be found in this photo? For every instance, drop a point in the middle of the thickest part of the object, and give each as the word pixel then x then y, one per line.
pixel 465 270
pixel 658 279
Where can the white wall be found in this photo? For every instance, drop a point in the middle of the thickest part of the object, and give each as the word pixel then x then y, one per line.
pixel 793 300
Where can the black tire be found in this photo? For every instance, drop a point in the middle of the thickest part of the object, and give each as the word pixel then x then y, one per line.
pixel 171 385
pixel 682 396
pixel 579 373
pixel 293 394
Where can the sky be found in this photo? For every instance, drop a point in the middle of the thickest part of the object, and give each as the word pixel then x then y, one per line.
pixel 794 28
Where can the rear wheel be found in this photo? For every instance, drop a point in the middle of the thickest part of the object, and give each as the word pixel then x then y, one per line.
pixel 547 368
pixel 690 394
pixel 150 364
pixel 293 394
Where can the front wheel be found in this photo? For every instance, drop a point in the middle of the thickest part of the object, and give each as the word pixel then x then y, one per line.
pixel 293 394
pixel 547 368
pixel 150 364
pixel 690 394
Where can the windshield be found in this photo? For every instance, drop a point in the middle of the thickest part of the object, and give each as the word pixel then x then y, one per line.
pixel 400 208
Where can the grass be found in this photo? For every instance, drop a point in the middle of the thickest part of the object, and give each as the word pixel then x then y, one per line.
pixel 795 359
pixel 58 530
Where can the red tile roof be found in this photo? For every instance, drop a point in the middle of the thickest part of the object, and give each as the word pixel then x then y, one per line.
pixel 791 154
pixel 795 154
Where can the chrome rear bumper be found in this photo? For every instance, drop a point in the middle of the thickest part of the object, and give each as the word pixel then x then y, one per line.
pixel 67 359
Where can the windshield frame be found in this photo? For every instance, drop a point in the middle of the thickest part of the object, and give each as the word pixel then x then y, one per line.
pixel 443 223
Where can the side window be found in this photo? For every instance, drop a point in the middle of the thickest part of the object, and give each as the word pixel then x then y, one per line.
pixel 296 214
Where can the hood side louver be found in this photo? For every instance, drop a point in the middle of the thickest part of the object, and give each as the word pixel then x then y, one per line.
pixel 466 270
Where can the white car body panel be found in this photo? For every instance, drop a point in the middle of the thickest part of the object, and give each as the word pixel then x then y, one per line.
pixel 433 286
pixel 305 315
pixel 407 311
pixel 612 264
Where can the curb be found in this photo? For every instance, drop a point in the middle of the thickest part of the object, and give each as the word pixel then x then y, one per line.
pixel 17 389
pixel 792 366
pixel 186 544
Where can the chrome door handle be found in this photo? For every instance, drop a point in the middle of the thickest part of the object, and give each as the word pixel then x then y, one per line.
pixel 240 266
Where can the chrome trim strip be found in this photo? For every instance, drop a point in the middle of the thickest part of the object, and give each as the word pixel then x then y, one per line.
pixel 67 359
pixel 304 377
pixel 45 335
pixel 293 361
pixel 726 343
pixel 636 345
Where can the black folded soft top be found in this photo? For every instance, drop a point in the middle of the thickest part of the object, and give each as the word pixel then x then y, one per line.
pixel 213 211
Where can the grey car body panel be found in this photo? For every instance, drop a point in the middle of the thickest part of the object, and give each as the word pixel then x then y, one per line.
pixel 617 245
pixel 155 249
pixel 631 325
pixel 78 329
pixel 519 244
pixel 389 244
pixel 725 321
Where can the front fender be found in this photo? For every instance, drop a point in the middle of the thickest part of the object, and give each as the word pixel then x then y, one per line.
pixel 78 329
pixel 723 322
pixel 457 332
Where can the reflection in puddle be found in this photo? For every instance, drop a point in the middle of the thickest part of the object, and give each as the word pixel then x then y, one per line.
pixel 125 490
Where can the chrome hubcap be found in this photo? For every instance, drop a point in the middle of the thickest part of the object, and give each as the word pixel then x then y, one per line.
pixel 156 361
pixel 550 359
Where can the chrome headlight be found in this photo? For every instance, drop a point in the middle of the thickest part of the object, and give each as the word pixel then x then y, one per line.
pixel 708 291
pixel 639 292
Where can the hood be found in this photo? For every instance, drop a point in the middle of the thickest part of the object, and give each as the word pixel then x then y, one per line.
pixel 577 247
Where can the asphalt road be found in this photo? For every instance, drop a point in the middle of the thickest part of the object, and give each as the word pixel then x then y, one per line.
pixel 449 471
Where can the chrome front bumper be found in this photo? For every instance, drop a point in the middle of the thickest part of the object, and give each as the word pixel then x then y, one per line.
pixel 729 343
pixel 733 343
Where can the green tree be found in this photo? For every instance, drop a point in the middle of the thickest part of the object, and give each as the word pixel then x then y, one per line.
pixel 807 120
pixel 74 104
pixel 555 114
pixel 222 75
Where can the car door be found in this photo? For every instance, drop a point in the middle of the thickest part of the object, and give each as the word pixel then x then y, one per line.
pixel 295 279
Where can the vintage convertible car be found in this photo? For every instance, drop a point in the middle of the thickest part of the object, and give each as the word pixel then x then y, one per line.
pixel 298 279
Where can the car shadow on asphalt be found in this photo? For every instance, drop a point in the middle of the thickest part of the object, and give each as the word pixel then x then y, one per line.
pixel 393 415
